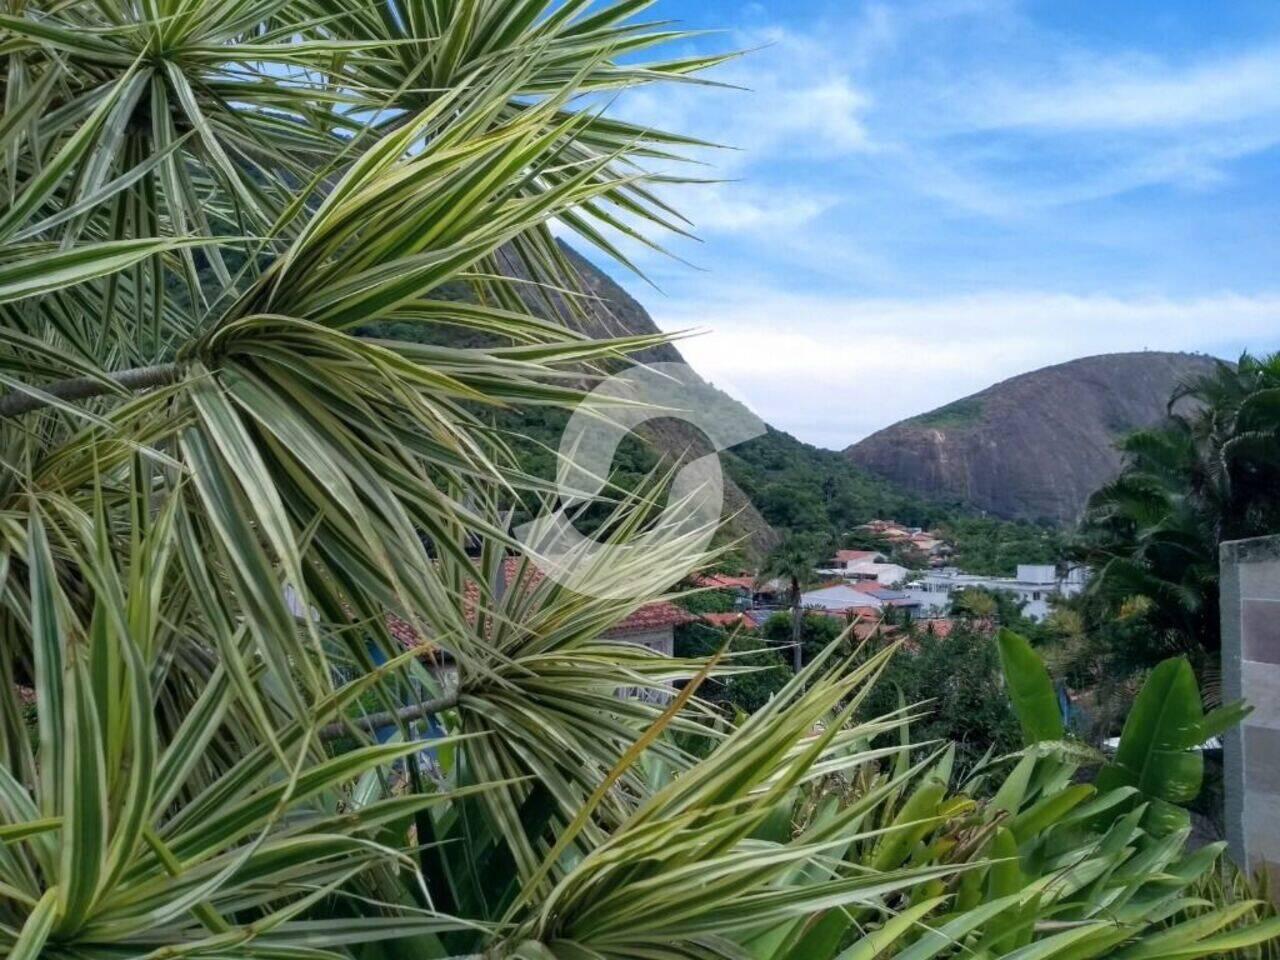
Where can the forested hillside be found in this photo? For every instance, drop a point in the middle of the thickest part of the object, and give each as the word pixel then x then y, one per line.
pixel 777 484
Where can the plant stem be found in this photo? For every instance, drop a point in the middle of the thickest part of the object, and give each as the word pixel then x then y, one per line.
pixel 371 722
pixel 16 403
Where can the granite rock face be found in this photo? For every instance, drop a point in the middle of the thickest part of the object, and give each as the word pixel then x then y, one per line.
pixel 1033 447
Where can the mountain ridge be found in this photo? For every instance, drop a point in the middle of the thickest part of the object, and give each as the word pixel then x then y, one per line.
pixel 1033 446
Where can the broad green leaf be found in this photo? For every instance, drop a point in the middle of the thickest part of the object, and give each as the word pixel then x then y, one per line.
pixel 1158 746
pixel 1030 689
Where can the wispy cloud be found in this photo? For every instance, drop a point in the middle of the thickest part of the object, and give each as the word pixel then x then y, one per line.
pixel 837 368
pixel 905 167
pixel 1138 92
pixel 749 208
pixel 793 93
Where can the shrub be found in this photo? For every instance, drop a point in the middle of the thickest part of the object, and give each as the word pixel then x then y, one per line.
pixel 746 692
pixel 959 682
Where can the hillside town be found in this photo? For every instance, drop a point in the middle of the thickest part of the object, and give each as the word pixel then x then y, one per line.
pixel 872 586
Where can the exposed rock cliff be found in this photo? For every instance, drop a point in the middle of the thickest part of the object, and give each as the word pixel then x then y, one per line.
pixel 1035 446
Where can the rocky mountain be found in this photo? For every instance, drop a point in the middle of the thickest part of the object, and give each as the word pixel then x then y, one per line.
pixel 1033 447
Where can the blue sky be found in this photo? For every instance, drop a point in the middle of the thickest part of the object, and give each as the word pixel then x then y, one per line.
pixel 931 196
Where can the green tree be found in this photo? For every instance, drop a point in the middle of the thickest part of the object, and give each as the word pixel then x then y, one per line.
pixel 958 680
pixel 749 691
pixel 991 547
pixel 793 562
pixel 817 632
pixel 1211 473
pixel 976 604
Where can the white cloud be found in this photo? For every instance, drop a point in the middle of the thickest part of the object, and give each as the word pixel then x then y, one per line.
pixel 1138 92
pixel 739 207
pixel 793 93
pixel 833 369
pixel 1097 125
pixel 918 147
pixel 918 89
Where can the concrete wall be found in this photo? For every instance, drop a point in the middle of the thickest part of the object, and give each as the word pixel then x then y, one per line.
pixel 1251 669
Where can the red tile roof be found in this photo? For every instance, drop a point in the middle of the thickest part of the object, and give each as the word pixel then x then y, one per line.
pixel 403 632
pixel 853 556
pixel 865 622
pixel 729 620
pixel 940 627
pixel 651 616
pixel 866 629
pixel 723 581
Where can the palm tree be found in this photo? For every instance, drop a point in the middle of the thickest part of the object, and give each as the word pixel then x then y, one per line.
pixel 1210 474
pixel 976 604
pixel 793 562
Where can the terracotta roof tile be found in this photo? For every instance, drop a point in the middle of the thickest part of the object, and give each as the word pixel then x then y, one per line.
pixel 652 616
pixel 939 626
pixel 729 620
pixel 847 556
pixel 723 581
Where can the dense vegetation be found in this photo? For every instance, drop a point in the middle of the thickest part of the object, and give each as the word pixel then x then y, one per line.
pixel 803 489
pixel 215 491
pixel 984 545
pixel 1210 474
pixel 765 671
pixel 821 495
pixel 959 681
pixel 799 489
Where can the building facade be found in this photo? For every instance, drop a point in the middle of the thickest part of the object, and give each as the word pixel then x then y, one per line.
pixel 1034 586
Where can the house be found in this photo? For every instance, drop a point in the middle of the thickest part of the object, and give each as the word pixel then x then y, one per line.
pixel 864 625
pixel 846 558
pixel 838 599
pixel 745 588
pixel 740 585
pixel 939 627
pixel 927 544
pixel 652 626
pixel 888 530
pixel 865 595
pixel 729 621
pixel 865 565
pixel 886 574
pixel 1033 586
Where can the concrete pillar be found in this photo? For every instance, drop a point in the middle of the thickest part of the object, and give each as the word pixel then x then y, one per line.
pixel 1250 578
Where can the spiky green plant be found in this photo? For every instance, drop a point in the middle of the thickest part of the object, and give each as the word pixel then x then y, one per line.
pixel 214 492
